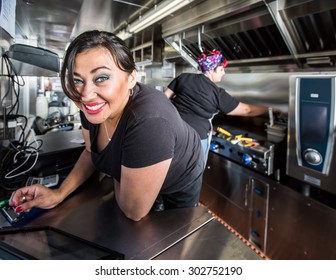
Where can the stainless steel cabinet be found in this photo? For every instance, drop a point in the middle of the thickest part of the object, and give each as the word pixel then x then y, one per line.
pixel 238 196
pixel 281 221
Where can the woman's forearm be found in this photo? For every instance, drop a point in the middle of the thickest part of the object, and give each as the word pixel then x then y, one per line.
pixel 82 170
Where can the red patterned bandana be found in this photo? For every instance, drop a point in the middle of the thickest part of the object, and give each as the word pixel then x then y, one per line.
pixel 210 61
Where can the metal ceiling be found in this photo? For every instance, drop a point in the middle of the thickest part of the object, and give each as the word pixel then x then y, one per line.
pixel 53 23
pixel 284 34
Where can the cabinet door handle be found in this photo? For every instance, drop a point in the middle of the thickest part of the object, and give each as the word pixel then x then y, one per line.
pixel 246 194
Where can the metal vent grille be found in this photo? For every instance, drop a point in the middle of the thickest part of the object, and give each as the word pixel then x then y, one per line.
pixel 263 42
pixel 256 43
pixel 317 32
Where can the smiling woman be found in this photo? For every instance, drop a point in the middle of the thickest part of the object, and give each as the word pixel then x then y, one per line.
pixel 132 133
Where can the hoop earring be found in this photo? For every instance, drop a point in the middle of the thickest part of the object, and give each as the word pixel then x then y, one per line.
pixel 131 94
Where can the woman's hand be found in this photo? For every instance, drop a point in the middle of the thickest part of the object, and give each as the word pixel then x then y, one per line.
pixel 24 199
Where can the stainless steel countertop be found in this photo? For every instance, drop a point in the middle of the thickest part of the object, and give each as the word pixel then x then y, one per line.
pixel 92 213
pixel 213 241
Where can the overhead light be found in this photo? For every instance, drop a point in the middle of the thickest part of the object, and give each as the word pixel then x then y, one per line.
pixel 323 61
pixel 162 10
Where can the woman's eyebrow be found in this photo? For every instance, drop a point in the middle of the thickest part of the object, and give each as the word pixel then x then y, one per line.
pixel 98 68
pixel 93 70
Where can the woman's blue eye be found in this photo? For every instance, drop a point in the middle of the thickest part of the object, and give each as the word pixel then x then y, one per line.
pixel 101 79
pixel 78 82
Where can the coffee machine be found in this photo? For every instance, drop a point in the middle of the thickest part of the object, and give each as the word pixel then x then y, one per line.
pixel 311 151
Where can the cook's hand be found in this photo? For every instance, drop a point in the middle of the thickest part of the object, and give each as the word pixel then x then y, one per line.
pixel 24 199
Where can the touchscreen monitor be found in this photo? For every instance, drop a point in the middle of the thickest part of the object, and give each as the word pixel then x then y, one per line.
pixel 48 243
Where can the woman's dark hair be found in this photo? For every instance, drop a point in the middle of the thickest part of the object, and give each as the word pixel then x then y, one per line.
pixel 89 40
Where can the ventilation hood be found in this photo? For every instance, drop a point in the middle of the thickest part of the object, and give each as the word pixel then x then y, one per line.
pixel 283 35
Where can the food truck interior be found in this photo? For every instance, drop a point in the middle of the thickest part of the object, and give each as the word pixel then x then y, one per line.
pixel 275 199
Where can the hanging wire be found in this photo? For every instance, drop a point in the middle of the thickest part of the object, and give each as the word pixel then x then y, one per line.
pixel 22 152
pixel 14 84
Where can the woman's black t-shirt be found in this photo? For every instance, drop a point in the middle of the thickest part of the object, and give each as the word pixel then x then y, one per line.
pixel 149 131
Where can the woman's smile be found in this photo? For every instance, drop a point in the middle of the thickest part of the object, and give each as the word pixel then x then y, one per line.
pixel 94 108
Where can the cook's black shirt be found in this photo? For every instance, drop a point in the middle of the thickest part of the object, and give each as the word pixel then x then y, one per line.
pixel 198 99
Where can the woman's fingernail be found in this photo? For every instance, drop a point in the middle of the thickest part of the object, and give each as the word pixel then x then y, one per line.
pixel 18 209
